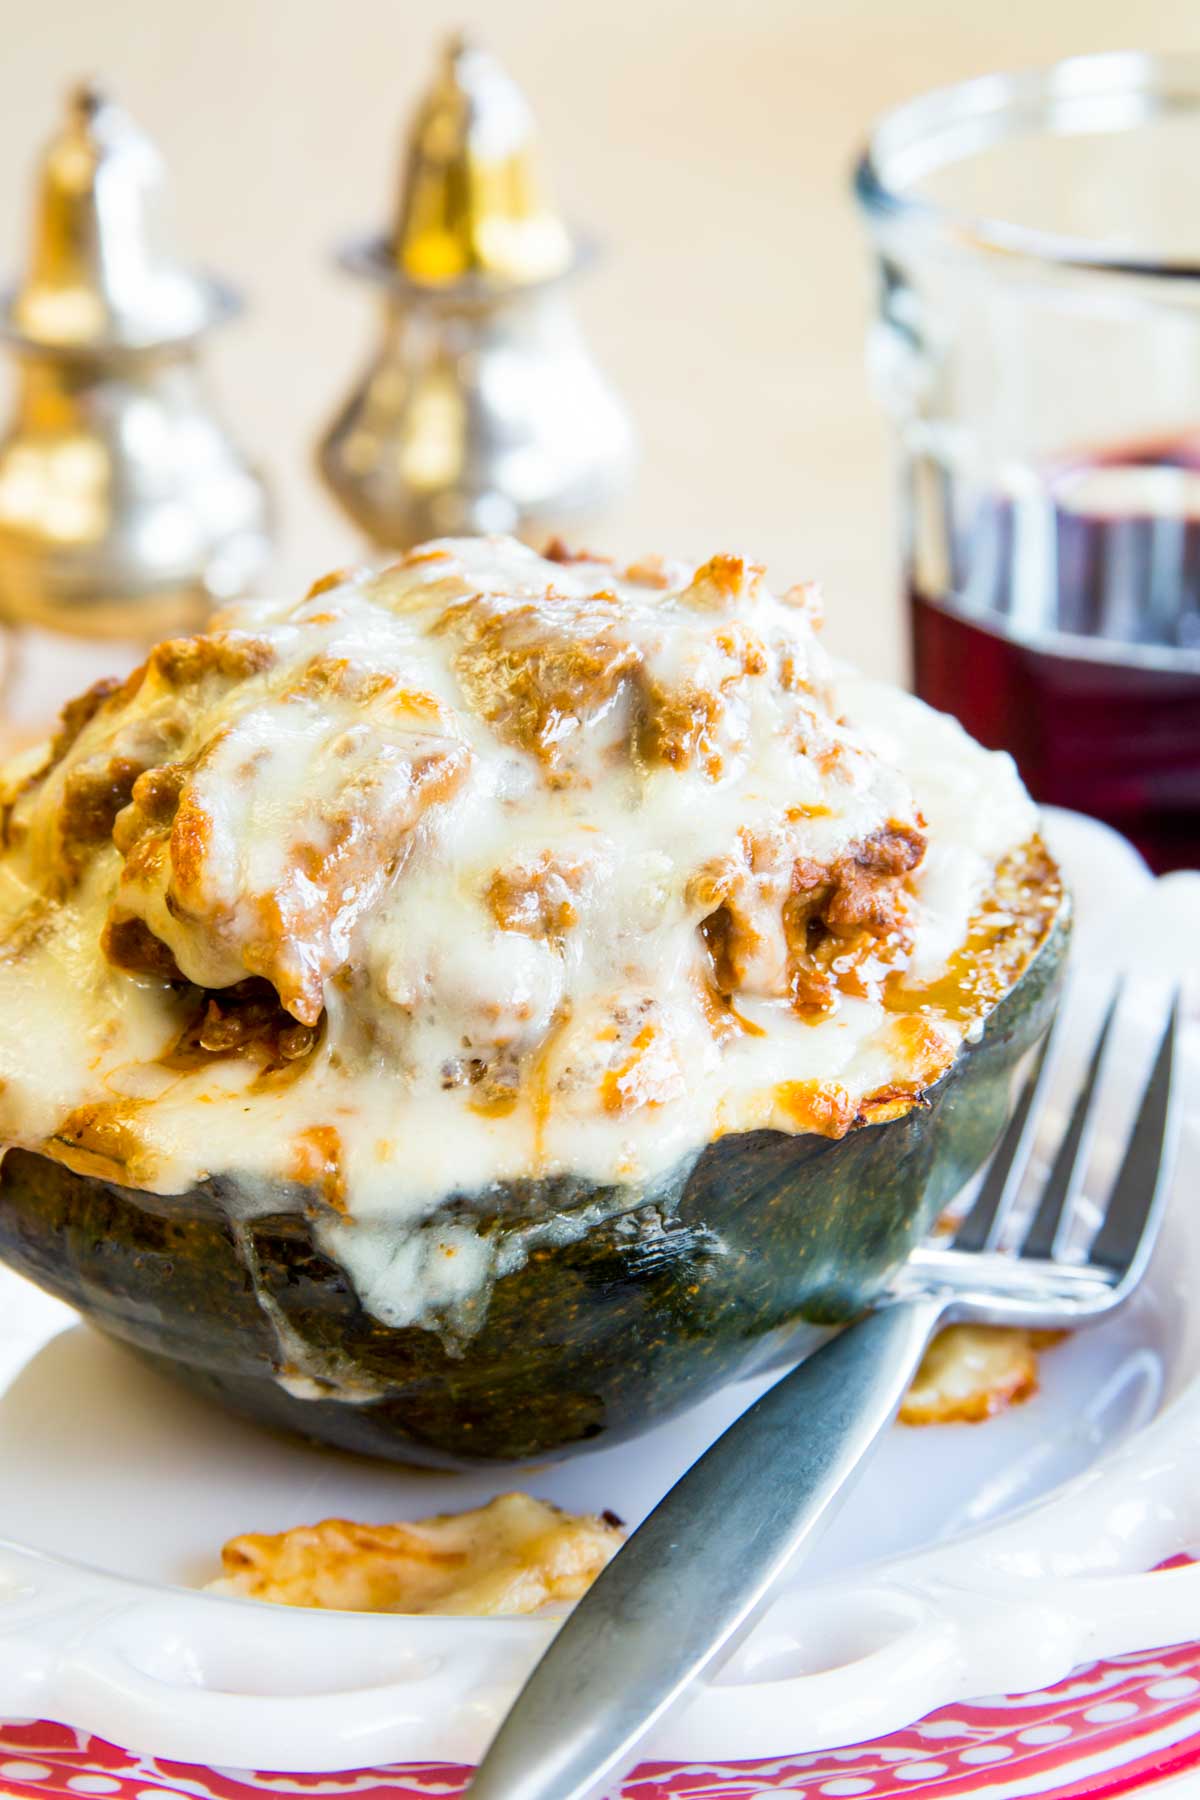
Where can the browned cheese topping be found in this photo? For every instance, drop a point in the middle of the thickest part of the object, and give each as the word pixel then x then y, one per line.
pixel 492 866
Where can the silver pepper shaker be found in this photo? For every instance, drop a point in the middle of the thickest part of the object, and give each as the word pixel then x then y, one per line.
pixel 125 510
pixel 481 409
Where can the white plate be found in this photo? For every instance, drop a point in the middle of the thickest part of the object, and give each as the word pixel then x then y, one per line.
pixel 970 1560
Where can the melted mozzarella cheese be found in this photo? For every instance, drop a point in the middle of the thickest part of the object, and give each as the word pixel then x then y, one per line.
pixel 534 855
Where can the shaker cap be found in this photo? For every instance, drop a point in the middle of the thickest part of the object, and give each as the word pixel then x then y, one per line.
pixel 103 273
pixel 472 202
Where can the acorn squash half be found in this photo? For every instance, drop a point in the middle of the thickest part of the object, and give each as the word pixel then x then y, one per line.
pixel 593 1339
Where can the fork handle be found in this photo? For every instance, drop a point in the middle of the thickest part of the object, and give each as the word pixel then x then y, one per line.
pixel 693 1573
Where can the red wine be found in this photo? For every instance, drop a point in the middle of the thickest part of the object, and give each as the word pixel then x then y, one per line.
pixel 1068 632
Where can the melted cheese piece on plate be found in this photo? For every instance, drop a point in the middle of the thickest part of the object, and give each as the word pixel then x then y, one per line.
pixel 514 1555
pixel 971 1372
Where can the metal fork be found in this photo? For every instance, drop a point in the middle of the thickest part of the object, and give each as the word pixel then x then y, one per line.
pixel 690 1579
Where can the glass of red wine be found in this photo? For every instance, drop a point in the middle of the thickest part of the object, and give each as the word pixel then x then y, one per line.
pixel 1037 343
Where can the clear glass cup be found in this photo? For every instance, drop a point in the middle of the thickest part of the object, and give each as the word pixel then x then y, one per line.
pixel 1037 344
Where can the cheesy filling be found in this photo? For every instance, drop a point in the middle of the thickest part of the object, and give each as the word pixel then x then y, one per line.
pixel 489 868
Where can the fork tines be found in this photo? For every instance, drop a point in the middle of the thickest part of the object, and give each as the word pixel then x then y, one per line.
pixel 1081 1172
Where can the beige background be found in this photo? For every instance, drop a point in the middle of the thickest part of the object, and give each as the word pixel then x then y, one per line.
pixel 709 143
